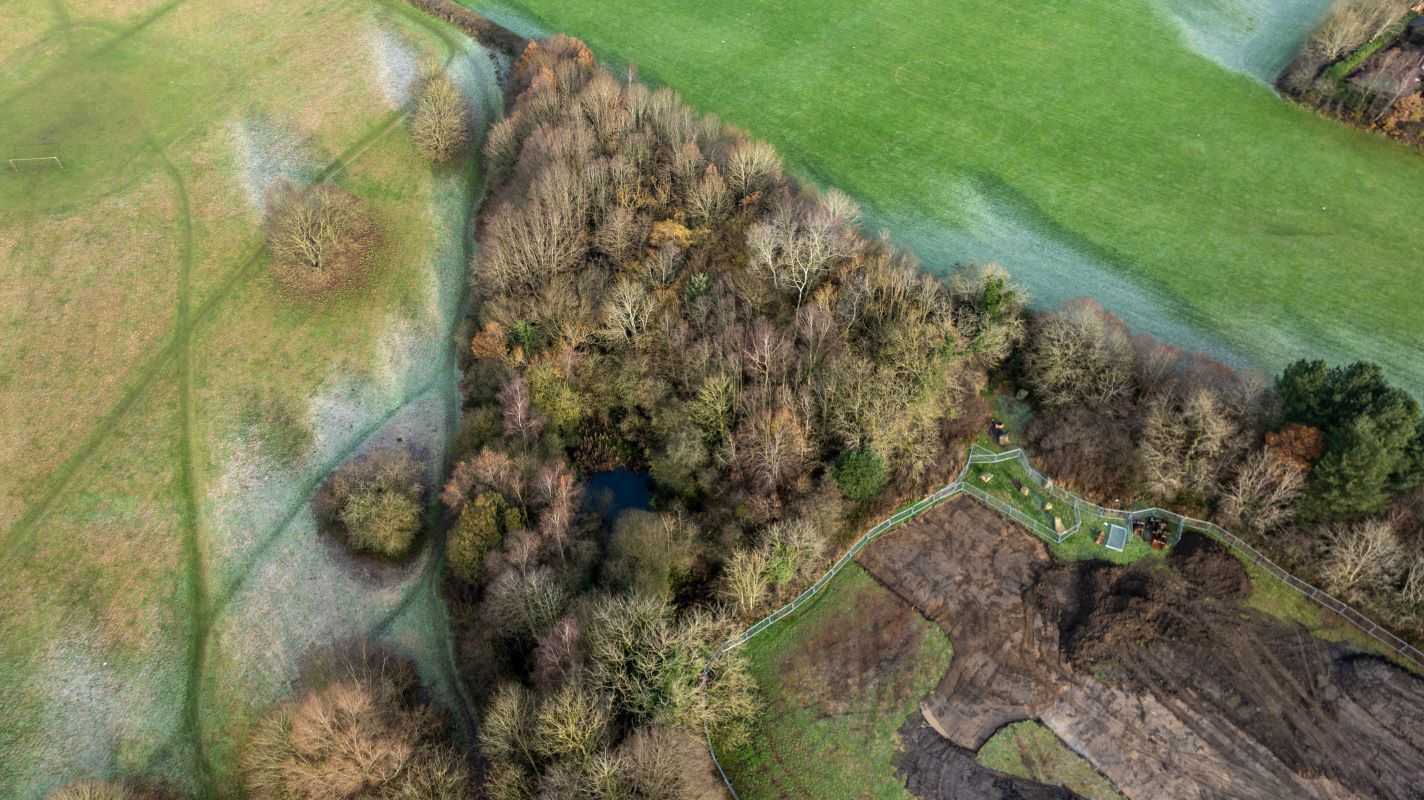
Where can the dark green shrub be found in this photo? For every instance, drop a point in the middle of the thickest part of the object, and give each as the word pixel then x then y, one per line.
pixel 479 530
pixel 1374 435
pixel 860 474
pixel 374 503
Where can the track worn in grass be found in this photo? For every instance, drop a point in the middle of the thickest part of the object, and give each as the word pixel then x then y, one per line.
pixel 163 574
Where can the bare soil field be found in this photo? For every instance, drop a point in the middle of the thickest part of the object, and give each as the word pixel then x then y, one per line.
pixel 1156 673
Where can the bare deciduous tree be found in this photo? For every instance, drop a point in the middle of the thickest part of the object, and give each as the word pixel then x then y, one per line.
pixel 1393 75
pixel 525 601
pixel 521 420
pixel 708 199
pixel 1361 558
pixel 744 581
pixel 507 727
pixel 627 311
pixel 572 724
pixel 320 237
pixel 440 124
pixel 558 655
pixel 1263 495
pixel 664 763
pixel 1183 445
pixel 357 737
pixel 489 470
pixel 526 246
pixel 772 447
pixel 1351 23
pixel 1080 355
pixel 796 247
pixel 752 166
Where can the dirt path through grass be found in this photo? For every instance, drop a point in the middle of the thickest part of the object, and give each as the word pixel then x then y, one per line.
pixel 186 489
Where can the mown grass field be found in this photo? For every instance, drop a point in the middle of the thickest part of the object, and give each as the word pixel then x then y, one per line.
pixel 840 677
pixel 1095 147
pixel 165 413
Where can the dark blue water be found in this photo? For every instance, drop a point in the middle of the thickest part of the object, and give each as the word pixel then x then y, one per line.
pixel 617 490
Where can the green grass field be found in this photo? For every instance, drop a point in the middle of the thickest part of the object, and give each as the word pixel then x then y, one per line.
pixel 1095 147
pixel 1030 750
pixel 166 412
pixel 840 677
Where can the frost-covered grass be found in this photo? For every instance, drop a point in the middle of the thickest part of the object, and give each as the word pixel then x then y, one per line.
pixel 167 413
pixel 1097 148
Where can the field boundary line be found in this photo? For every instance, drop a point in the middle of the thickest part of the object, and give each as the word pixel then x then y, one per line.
pixel 981 455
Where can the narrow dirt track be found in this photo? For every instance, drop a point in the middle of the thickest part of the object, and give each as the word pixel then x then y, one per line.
pixel 1155 673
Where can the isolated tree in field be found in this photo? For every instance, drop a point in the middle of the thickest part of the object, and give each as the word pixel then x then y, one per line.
pixel 358 738
pixel 320 237
pixel 440 124
pixel 375 502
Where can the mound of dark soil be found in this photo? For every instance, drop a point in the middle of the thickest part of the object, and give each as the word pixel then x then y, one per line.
pixel 1155 673
pixel 1210 567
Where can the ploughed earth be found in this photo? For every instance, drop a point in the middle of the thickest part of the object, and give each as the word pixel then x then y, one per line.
pixel 1156 673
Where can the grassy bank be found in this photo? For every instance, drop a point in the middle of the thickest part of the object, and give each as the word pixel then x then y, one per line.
pixel 1088 147
pixel 1030 750
pixel 840 677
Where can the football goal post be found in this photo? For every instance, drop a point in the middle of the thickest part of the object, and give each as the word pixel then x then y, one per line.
pixel 35 162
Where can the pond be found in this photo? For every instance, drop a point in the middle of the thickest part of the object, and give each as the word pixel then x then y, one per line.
pixel 614 491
